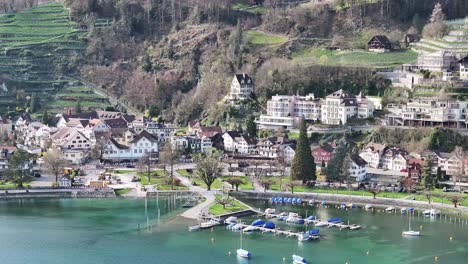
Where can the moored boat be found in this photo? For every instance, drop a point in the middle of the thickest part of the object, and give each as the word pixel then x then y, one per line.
pixel 298 259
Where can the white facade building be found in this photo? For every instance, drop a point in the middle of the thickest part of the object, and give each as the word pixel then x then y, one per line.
pixel 464 68
pixel 358 168
pixel 242 87
pixel 286 111
pixel 372 154
pixel 394 159
pixel 143 144
pixel 341 106
pixel 429 112
pixel 235 142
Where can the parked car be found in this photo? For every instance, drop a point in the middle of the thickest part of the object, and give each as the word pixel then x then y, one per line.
pixel 135 179
pixel 130 166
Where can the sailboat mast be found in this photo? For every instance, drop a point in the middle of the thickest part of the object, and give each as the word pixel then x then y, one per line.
pixel 241 231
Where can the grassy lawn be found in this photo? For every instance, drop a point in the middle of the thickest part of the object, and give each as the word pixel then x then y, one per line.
pixel 264 39
pixel 160 179
pixel 184 173
pixel 217 209
pixel 439 198
pixel 121 192
pixel 243 5
pixel 247 185
pixel 122 171
pixel 217 184
pixel 310 56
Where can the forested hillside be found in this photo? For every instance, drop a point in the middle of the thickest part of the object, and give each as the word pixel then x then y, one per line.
pixel 176 57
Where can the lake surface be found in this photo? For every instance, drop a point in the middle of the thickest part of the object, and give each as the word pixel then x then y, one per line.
pixel 82 231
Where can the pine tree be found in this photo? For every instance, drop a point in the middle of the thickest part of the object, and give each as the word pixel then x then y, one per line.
pixel 426 174
pixel 303 164
pixel 251 127
pixel 335 170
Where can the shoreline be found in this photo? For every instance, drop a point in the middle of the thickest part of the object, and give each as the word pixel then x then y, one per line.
pixel 379 202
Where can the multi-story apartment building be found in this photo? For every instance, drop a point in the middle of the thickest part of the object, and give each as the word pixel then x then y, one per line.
pixel 429 112
pixel 242 87
pixel 372 153
pixel 394 159
pixel 463 68
pixel 341 106
pixel 285 111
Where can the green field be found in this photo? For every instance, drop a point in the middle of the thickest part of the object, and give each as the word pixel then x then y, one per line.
pixel 244 5
pixel 160 179
pixel 258 38
pixel 38 50
pixel 247 184
pixel 217 209
pixel 310 56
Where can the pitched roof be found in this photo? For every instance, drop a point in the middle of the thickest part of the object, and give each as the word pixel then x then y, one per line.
pixel 250 140
pixel 463 60
pixel 145 134
pixel 116 123
pixel 210 131
pixel 358 160
pixel 233 134
pixel 118 145
pixel 244 79
pixel 382 40
pixel 341 94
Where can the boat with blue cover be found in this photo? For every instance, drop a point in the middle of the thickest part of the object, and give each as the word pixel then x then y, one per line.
pixel 258 222
pixel 298 259
pixel 269 225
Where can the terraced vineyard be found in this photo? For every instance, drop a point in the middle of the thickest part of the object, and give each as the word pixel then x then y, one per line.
pixel 37 47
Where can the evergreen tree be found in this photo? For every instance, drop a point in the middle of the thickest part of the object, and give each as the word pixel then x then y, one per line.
pixel 335 170
pixel 251 127
pixel 45 117
pixel 303 164
pixel 428 180
pixel 78 107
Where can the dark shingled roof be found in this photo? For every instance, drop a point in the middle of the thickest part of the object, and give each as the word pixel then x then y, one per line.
pixel 147 135
pixel 383 40
pixel 118 145
pixel 244 79
pixel 358 160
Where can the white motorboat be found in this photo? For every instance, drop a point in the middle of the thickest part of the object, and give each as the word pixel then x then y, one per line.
pixel 322 223
pixel 194 228
pixel 270 211
pixel 368 207
pixel 250 229
pixel 390 209
pixel 403 210
pixel 209 224
pixel 292 214
pixel 230 220
pixel 298 259
pixel 354 227
pixel 303 237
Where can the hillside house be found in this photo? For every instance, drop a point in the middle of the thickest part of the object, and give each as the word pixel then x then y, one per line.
pixel 372 153
pixel 341 106
pixel 242 87
pixel 394 159
pixel 286 153
pixel 323 154
pixel 241 144
pixel 358 168
pixel 379 43
pixel 463 68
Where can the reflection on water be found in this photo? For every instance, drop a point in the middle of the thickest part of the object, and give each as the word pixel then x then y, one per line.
pixel 118 231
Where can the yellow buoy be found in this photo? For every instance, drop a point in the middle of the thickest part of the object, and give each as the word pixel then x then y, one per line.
pixel 436 258
pixel 451 238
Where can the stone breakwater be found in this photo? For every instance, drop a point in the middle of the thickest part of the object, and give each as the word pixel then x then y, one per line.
pixel 359 200
pixel 57 193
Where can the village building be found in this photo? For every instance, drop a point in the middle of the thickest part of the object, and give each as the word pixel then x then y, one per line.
pixel 6 152
pixel 270 147
pixel 143 144
pixel 463 63
pixel 358 168
pixel 341 106
pixel 372 153
pixel 429 112
pixel 379 43
pixel 286 153
pixel 414 169
pixel 451 164
pixel 238 143
pixel 242 87
pixel 323 154
pixel 6 125
pixel 163 132
pixel 285 111
pixel 65 181
pixel 394 159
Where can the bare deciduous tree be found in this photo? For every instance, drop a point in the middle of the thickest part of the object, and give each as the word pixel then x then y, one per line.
pixel 54 162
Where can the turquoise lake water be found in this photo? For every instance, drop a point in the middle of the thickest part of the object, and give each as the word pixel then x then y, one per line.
pixel 82 231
